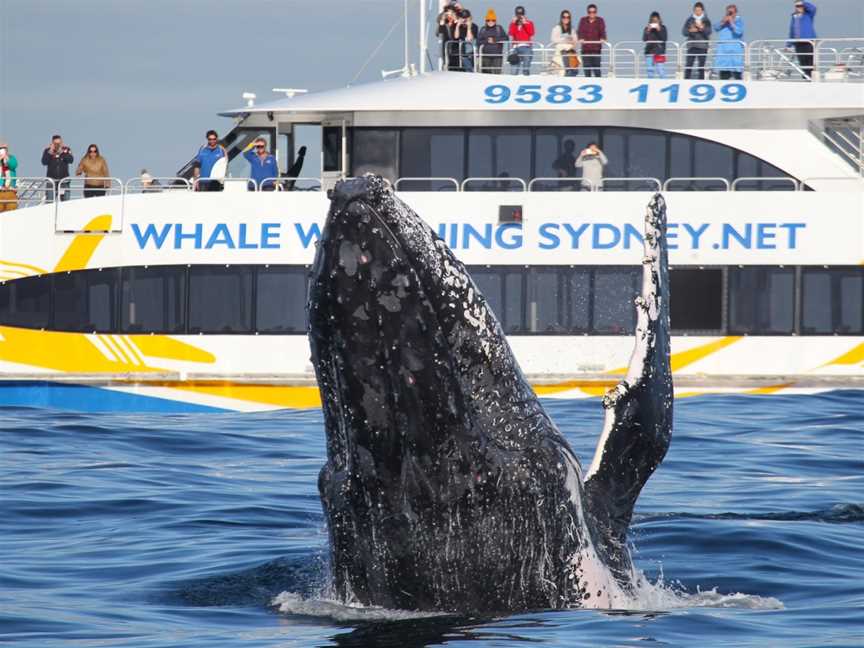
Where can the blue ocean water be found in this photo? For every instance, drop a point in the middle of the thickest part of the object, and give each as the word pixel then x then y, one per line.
pixel 179 530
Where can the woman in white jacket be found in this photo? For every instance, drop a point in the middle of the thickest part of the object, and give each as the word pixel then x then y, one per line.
pixel 565 61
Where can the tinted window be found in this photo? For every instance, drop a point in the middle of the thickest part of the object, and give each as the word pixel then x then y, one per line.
pixel 545 311
pixel 712 160
pixel 280 301
pixel 647 155
pixel 613 294
pixel 153 300
pixel 579 299
pixel 26 302
pixel 696 299
pixel 488 281
pixel 761 300
pixel 220 299
pixel 832 301
pixel 514 301
pixel 85 301
pixel 558 148
pixel 499 153
pixel 332 148
pixel 432 153
pixel 374 151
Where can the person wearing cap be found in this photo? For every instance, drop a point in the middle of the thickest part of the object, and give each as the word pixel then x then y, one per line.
pixel 465 34
pixel 592 34
pixel 522 34
pixel 490 39
pixel 802 28
pixel 8 173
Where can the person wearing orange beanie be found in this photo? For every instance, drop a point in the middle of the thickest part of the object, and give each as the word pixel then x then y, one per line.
pixel 490 41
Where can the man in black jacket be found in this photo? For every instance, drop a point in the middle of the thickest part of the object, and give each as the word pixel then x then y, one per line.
pixel 56 159
pixel 697 30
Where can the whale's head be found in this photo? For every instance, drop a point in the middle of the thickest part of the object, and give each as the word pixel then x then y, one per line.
pixel 444 475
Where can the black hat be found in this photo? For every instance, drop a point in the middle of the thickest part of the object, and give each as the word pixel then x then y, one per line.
pixel 520 10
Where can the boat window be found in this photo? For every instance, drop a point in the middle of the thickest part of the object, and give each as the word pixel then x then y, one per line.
pixel 712 160
pixel 332 148
pixel 556 146
pixel 26 302
pixel 280 299
pixel 499 153
pixel 220 299
pixel 488 281
pixel 545 296
pixel 761 300
pixel 514 301
pixel 431 153
pixel 832 301
pixel 153 299
pixel 613 294
pixel 579 299
pixel 85 301
pixel 374 151
pixel 697 299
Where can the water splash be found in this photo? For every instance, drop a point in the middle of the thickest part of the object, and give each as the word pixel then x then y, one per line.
pixel 292 603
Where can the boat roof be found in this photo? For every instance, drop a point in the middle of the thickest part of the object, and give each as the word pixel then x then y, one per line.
pixel 455 92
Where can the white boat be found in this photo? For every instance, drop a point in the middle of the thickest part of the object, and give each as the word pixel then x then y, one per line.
pixel 169 299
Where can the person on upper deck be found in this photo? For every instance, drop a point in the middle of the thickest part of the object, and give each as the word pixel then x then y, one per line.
pixel 8 170
pixel 490 41
pixel 729 53
pixel 592 160
pixel 802 27
pixel 564 40
pixel 93 167
pixel 592 34
pixel 465 33
pixel 56 160
pixel 521 32
pixel 655 36
pixel 208 156
pixel 697 29
pixel 264 167
pixel 446 32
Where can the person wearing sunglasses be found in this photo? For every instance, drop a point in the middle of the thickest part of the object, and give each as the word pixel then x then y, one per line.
pixel 564 40
pixel 208 156
pixel 592 34
pixel 94 168
pixel 264 167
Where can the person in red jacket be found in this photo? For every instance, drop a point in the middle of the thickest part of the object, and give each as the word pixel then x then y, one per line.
pixel 522 34
pixel 592 33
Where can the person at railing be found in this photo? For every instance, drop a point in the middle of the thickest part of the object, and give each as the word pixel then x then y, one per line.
pixel 729 53
pixel 56 160
pixel 802 26
pixel 93 166
pixel 592 160
pixel 655 36
pixel 697 29
pixel 521 32
pixel 449 46
pixel 263 165
pixel 564 41
pixel 149 184
pixel 465 35
pixel 490 41
pixel 565 164
pixel 208 156
pixel 8 173
pixel 592 33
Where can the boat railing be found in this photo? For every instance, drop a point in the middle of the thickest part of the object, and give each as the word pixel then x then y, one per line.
pixel 697 184
pixel 29 192
pixel 629 184
pixel 761 184
pixel 560 184
pixel 231 185
pixel 156 185
pixel 434 184
pixel 107 186
pixel 494 184
pixel 293 183
pixel 834 59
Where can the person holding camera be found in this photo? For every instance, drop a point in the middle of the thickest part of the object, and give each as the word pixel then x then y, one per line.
pixel 655 36
pixel 447 33
pixel 56 160
pixel 465 34
pixel 592 35
pixel 697 30
pixel 490 39
pixel 729 53
pixel 522 34
pixel 592 160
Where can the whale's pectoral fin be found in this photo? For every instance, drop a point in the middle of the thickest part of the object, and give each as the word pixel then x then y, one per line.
pixel 638 423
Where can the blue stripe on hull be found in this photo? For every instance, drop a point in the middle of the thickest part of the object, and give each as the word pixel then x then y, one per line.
pixel 85 398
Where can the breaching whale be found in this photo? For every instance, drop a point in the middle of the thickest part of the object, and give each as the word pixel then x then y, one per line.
pixel 447 486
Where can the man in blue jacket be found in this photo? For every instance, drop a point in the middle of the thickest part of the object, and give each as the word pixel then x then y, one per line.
pixel 263 165
pixel 801 28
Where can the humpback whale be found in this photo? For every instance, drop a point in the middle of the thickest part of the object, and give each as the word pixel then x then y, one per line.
pixel 447 486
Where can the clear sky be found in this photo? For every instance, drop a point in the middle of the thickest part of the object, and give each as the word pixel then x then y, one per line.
pixel 144 80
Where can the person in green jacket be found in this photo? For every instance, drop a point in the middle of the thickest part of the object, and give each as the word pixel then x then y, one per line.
pixel 8 167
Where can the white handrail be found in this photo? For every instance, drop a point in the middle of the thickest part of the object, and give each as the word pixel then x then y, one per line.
pixel 668 182
pixel 114 185
pixel 519 181
pixel 278 183
pixel 654 181
pixel 224 182
pixel 157 184
pixel 430 179
pixel 755 179
pixel 581 182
